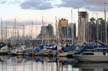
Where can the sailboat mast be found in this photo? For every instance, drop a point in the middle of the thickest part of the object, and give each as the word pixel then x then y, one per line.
pixel 32 29
pixel 105 22
pixel 42 37
pixel 56 30
pixel 23 31
pixel 57 36
pixel 15 29
pixel 32 32
pixel 97 28
pixel 72 29
pixel 6 32
pixel 1 30
pixel 78 26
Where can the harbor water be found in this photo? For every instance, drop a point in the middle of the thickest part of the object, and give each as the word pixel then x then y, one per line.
pixel 8 63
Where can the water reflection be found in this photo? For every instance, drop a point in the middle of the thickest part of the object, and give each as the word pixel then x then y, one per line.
pixel 8 63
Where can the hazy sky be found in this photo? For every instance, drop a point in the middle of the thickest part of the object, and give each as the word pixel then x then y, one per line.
pixel 25 10
pixel 35 9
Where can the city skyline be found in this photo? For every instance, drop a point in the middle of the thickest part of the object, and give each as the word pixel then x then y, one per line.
pixel 25 11
pixel 33 10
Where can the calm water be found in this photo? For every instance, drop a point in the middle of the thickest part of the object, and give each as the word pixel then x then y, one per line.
pixel 47 64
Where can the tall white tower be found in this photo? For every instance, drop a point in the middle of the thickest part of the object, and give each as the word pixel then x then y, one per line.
pixel 82 26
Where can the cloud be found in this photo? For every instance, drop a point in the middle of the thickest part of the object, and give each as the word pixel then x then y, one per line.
pixel 48 4
pixel 71 3
pixel 94 5
pixel 9 1
pixel 36 4
pixel 2 2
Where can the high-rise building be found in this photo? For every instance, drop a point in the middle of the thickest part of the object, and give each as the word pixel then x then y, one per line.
pixel 92 30
pixel 47 34
pixel 101 29
pixel 67 32
pixel 63 22
pixel 63 28
pixel 50 30
pixel 72 30
pixel 43 30
pixel 82 26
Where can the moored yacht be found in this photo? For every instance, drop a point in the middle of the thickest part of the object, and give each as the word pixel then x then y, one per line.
pixel 99 54
pixel 3 48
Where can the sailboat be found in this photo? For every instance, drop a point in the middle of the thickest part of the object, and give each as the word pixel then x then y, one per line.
pixel 3 46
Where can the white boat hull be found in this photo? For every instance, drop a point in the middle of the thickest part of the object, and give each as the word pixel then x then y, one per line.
pixel 93 65
pixel 94 58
